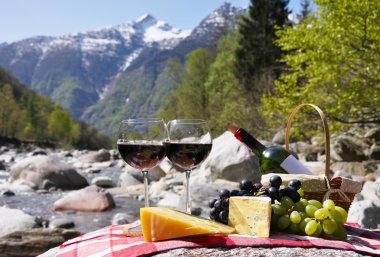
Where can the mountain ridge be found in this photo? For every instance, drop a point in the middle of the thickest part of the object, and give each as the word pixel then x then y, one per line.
pixel 79 70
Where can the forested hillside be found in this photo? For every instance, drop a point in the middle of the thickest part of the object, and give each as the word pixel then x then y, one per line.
pixel 26 115
pixel 262 71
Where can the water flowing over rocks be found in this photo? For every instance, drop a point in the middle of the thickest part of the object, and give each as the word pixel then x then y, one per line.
pixel 47 190
pixel 39 169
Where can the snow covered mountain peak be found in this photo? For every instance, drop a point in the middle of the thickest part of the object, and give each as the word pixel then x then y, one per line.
pixel 146 20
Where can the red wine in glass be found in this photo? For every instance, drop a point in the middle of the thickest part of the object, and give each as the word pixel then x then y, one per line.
pixel 141 156
pixel 187 155
pixel 140 144
pixel 189 144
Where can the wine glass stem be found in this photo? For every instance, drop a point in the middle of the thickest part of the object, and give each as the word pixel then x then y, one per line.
pixel 146 196
pixel 188 201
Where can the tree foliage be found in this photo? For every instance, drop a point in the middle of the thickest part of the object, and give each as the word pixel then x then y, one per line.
pixel 28 116
pixel 333 61
pixel 190 99
pixel 257 54
pixel 305 11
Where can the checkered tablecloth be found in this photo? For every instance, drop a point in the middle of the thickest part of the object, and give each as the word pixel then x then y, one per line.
pixel 110 241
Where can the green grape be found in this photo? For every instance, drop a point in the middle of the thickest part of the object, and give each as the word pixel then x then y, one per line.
pixel 321 214
pixel 294 228
pixel 336 216
pixel 304 202
pixel 310 210
pixel 273 221
pixel 318 231
pixel 311 227
pixel 342 212
pixel 283 222
pixel 278 210
pixel 295 217
pixel 300 191
pixel 287 202
pixel 298 206
pixel 329 226
pixel 303 224
pixel 340 233
pixel 316 203
pixel 303 215
pixel 329 205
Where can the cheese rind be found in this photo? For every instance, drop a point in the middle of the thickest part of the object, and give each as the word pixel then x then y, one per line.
pixel 250 215
pixel 159 223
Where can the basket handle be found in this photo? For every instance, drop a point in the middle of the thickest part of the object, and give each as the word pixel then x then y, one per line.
pixel 325 128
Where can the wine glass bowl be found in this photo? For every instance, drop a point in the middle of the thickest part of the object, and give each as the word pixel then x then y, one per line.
pixel 141 145
pixel 189 144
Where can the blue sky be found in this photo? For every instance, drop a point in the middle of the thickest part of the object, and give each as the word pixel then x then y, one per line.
pixel 20 19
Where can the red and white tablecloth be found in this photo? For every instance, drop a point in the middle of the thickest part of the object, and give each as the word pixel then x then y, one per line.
pixel 110 241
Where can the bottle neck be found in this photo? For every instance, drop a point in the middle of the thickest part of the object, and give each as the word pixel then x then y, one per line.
pixel 243 136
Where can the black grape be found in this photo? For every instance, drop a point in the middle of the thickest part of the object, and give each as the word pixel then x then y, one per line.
pixel 246 184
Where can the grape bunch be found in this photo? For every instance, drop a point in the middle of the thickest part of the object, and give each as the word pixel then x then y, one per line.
pixel 275 190
pixel 309 217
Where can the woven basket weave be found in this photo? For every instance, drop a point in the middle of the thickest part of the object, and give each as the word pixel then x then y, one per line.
pixel 341 190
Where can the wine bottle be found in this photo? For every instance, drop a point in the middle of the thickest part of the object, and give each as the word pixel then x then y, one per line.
pixel 273 159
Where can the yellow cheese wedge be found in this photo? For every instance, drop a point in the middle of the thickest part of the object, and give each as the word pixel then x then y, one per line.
pixel 250 215
pixel 159 223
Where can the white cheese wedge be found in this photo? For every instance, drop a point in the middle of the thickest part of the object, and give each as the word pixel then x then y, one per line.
pixel 250 215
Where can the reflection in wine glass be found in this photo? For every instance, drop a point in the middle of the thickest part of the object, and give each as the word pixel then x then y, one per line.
pixel 141 145
pixel 189 144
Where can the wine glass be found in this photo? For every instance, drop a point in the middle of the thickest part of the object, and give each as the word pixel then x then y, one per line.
pixel 189 144
pixel 141 145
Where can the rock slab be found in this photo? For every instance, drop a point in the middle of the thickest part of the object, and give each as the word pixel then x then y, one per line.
pixel 32 242
pixel 89 199
pixel 12 220
pixel 39 169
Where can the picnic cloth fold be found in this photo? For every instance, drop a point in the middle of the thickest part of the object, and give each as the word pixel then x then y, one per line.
pixel 110 241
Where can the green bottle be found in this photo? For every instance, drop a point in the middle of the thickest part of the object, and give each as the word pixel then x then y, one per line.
pixel 273 159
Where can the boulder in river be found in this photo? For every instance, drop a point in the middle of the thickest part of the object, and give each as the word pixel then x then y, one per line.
pixel 39 169
pixel 12 220
pixel 90 199
pixel 229 159
pixel 366 213
pixel 371 191
pixel 349 149
pixel 2 166
pixel 100 156
pixel 102 181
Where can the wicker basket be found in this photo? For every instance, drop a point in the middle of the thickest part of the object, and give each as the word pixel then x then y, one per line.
pixel 341 190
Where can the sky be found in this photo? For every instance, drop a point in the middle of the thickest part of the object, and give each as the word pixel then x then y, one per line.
pixel 20 19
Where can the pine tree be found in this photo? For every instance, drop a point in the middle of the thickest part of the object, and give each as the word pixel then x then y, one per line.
pixel 305 11
pixel 257 57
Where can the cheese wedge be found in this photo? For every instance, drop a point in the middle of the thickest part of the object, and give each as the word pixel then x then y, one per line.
pixel 250 215
pixel 159 223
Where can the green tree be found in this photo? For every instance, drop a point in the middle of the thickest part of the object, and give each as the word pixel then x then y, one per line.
pixel 305 11
pixel 61 126
pixel 257 54
pixel 227 101
pixel 334 62
pixel 11 118
pixel 190 99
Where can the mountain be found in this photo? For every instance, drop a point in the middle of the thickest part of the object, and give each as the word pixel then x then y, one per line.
pixel 75 69
pixel 112 73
